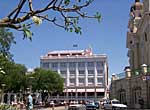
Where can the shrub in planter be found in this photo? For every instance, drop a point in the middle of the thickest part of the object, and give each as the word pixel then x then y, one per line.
pixel 7 107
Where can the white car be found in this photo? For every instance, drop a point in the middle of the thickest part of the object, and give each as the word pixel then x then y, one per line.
pixel 114 105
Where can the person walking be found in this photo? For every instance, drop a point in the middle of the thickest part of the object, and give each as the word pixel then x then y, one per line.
pixel 29 105
pixel 141 102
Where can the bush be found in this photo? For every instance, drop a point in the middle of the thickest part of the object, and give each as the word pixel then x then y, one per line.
pixel 7 107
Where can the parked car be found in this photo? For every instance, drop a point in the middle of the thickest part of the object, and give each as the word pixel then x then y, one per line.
pixel 114 105
pixel 90 107
pixel 77 107
pixel 51 103
pixel 97 104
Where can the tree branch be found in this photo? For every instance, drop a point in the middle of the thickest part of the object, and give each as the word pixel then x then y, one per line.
pixel 19 8
pixel 30 5
pixel 9 25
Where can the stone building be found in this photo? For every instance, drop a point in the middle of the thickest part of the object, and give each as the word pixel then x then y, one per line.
pixel 85 74
pixel 136 84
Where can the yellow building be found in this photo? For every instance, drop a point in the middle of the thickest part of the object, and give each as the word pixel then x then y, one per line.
pixel 136 83
pixel 138 35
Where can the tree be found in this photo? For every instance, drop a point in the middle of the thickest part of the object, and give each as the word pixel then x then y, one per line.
pixel 62 13
pixel 6 40
pixel 15 79
pixel 47 80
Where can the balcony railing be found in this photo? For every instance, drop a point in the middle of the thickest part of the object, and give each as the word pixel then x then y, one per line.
pixel 121 75
pixel 134 72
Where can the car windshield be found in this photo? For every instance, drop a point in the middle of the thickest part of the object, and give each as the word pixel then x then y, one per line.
pixel 115 102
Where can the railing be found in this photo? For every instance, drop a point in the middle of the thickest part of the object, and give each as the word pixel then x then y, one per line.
pixel 134 72
pixel 121 75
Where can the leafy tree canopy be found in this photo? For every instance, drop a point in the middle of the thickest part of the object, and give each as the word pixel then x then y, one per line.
pixel 62 13
pixel 6 40
pixel 47 80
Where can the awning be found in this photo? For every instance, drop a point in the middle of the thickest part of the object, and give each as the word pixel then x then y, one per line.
pixel 100 90
pixel 90 90
pixel 71 90
pixel 80 90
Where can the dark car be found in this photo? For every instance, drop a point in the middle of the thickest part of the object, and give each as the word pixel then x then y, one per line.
pixel 90 107
pixel 97 104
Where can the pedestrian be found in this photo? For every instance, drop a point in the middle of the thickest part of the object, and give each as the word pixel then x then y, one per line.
pixel 141 102
pixel 29 102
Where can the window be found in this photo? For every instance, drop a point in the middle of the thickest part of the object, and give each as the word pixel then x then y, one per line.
pixel 81 64
pixel 99 80
pixel 99 64
pixel 136 94
pixel 145 36
pixel 63 73
pixel 72 80
pixel 55 65
pixel 99 72
pixel 72 73
pixel 90 64
pixel 63 65
pixel 45 65
pixel 81 72
pixel 72 64
pixel 90 80
pixel 81 80
pixel 90 72
pixel 122 96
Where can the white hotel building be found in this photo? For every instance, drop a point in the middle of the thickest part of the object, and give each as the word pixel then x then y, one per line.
pixel 85 74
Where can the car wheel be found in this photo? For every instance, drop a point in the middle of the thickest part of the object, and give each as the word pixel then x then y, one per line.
pixel 113 108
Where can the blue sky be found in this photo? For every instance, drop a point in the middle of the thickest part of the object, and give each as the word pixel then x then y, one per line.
pixel 107 37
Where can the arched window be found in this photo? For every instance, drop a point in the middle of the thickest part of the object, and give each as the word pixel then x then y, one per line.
pixel 122 96
pixel 136 94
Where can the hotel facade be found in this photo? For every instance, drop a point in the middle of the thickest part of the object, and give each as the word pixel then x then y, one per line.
pixel 85 74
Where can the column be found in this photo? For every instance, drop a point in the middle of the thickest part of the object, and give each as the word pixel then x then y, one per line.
pixel 58 69
pixel 85 93
pixel 113 84
pixel 86 74
pixel 77 80
pixel 95 80
pixel 50 65
pixel 105 78
pixel 76 94
pixel 67 95
pixel 77 75
pixel 128 88
pixel 68 74
pixel 95 74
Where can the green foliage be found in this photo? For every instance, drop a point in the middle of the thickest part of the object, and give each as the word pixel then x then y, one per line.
pixel 14 75
pixel 98 16
pixel 66 2
pixel 7 107
pixel 47 80
pixel 6 40
pixel 16 79
pixel 27 33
